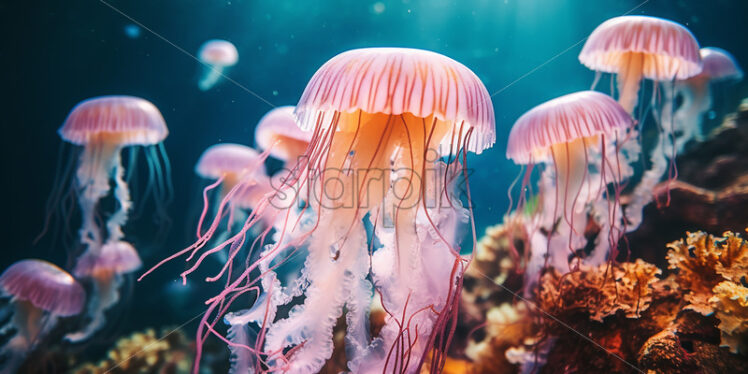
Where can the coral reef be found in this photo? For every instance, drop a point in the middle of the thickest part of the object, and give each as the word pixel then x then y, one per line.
pixel 498 260
pixel 145 352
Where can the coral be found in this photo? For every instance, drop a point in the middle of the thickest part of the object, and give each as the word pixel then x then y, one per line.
pixel 145 352
pixel 703 261
pixel 507 326
pixel 497 261
pixel 730 301
pixel 599 291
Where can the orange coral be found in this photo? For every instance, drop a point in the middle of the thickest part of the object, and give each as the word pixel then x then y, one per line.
pixel 730 301
pixel 600 291
pixel 703 261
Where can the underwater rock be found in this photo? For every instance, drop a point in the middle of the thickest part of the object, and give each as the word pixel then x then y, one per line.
pixel 710 193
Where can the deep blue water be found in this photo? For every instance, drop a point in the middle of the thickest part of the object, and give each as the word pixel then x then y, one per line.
pixel 55 54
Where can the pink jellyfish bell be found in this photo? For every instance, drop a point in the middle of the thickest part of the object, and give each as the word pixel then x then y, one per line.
pixel 216 55
pixel 637 47
pixel 278 132
pixel 106 270
pixel 569 135
pixel 719 66
pixel 40 293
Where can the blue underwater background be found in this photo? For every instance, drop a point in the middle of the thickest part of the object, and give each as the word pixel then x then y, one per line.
pixel 57 53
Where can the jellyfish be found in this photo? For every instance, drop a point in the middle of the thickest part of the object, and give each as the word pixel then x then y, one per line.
pixel 634 48
pixel 719 66
pixel 40 293
pixel 104 126
pixel 229 165
pixel 570 136
pixel 638 47
pixel 106 270
pixel 381 119
pixel 216 55
pixel 277 132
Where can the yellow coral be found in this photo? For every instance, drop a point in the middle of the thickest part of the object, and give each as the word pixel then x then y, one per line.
pixel 703 261
pixel 144 352
pixel 600 291
pixel 730 301
pixel 507 326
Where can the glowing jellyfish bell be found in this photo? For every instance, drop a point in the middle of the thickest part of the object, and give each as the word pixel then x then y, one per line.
pixel 638 47
pixel 217 55
pixel 568 135
pixel 40 293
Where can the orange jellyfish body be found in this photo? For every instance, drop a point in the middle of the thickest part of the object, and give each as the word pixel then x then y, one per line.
pixel 380 118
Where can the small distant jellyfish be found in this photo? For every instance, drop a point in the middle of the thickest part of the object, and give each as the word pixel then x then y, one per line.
pixel 570 136
pixel 106 270
pixel 216 55
pixel 104 126
pixel 380 118
pixel 719 66
pixel 40 293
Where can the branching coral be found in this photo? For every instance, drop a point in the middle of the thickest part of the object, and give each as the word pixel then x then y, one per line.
pixel 145 352
pixel 600 291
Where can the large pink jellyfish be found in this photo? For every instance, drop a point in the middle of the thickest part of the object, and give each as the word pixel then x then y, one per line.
pixel 40 293
pixel 570 135
pixel 104 126
pixel 216 55
pixel 380 117
pixel 719 66
pixel 634 48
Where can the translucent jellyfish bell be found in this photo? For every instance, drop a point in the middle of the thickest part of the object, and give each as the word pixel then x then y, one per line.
pixel 217 55
pixel 40 293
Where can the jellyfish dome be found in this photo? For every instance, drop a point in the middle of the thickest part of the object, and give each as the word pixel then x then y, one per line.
pixel 569 134
pixel 217 55
pixel 636 47
pixel 720 64
pixel 379 118
pixel 40 293
pixel 277 131
pixel 230 162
